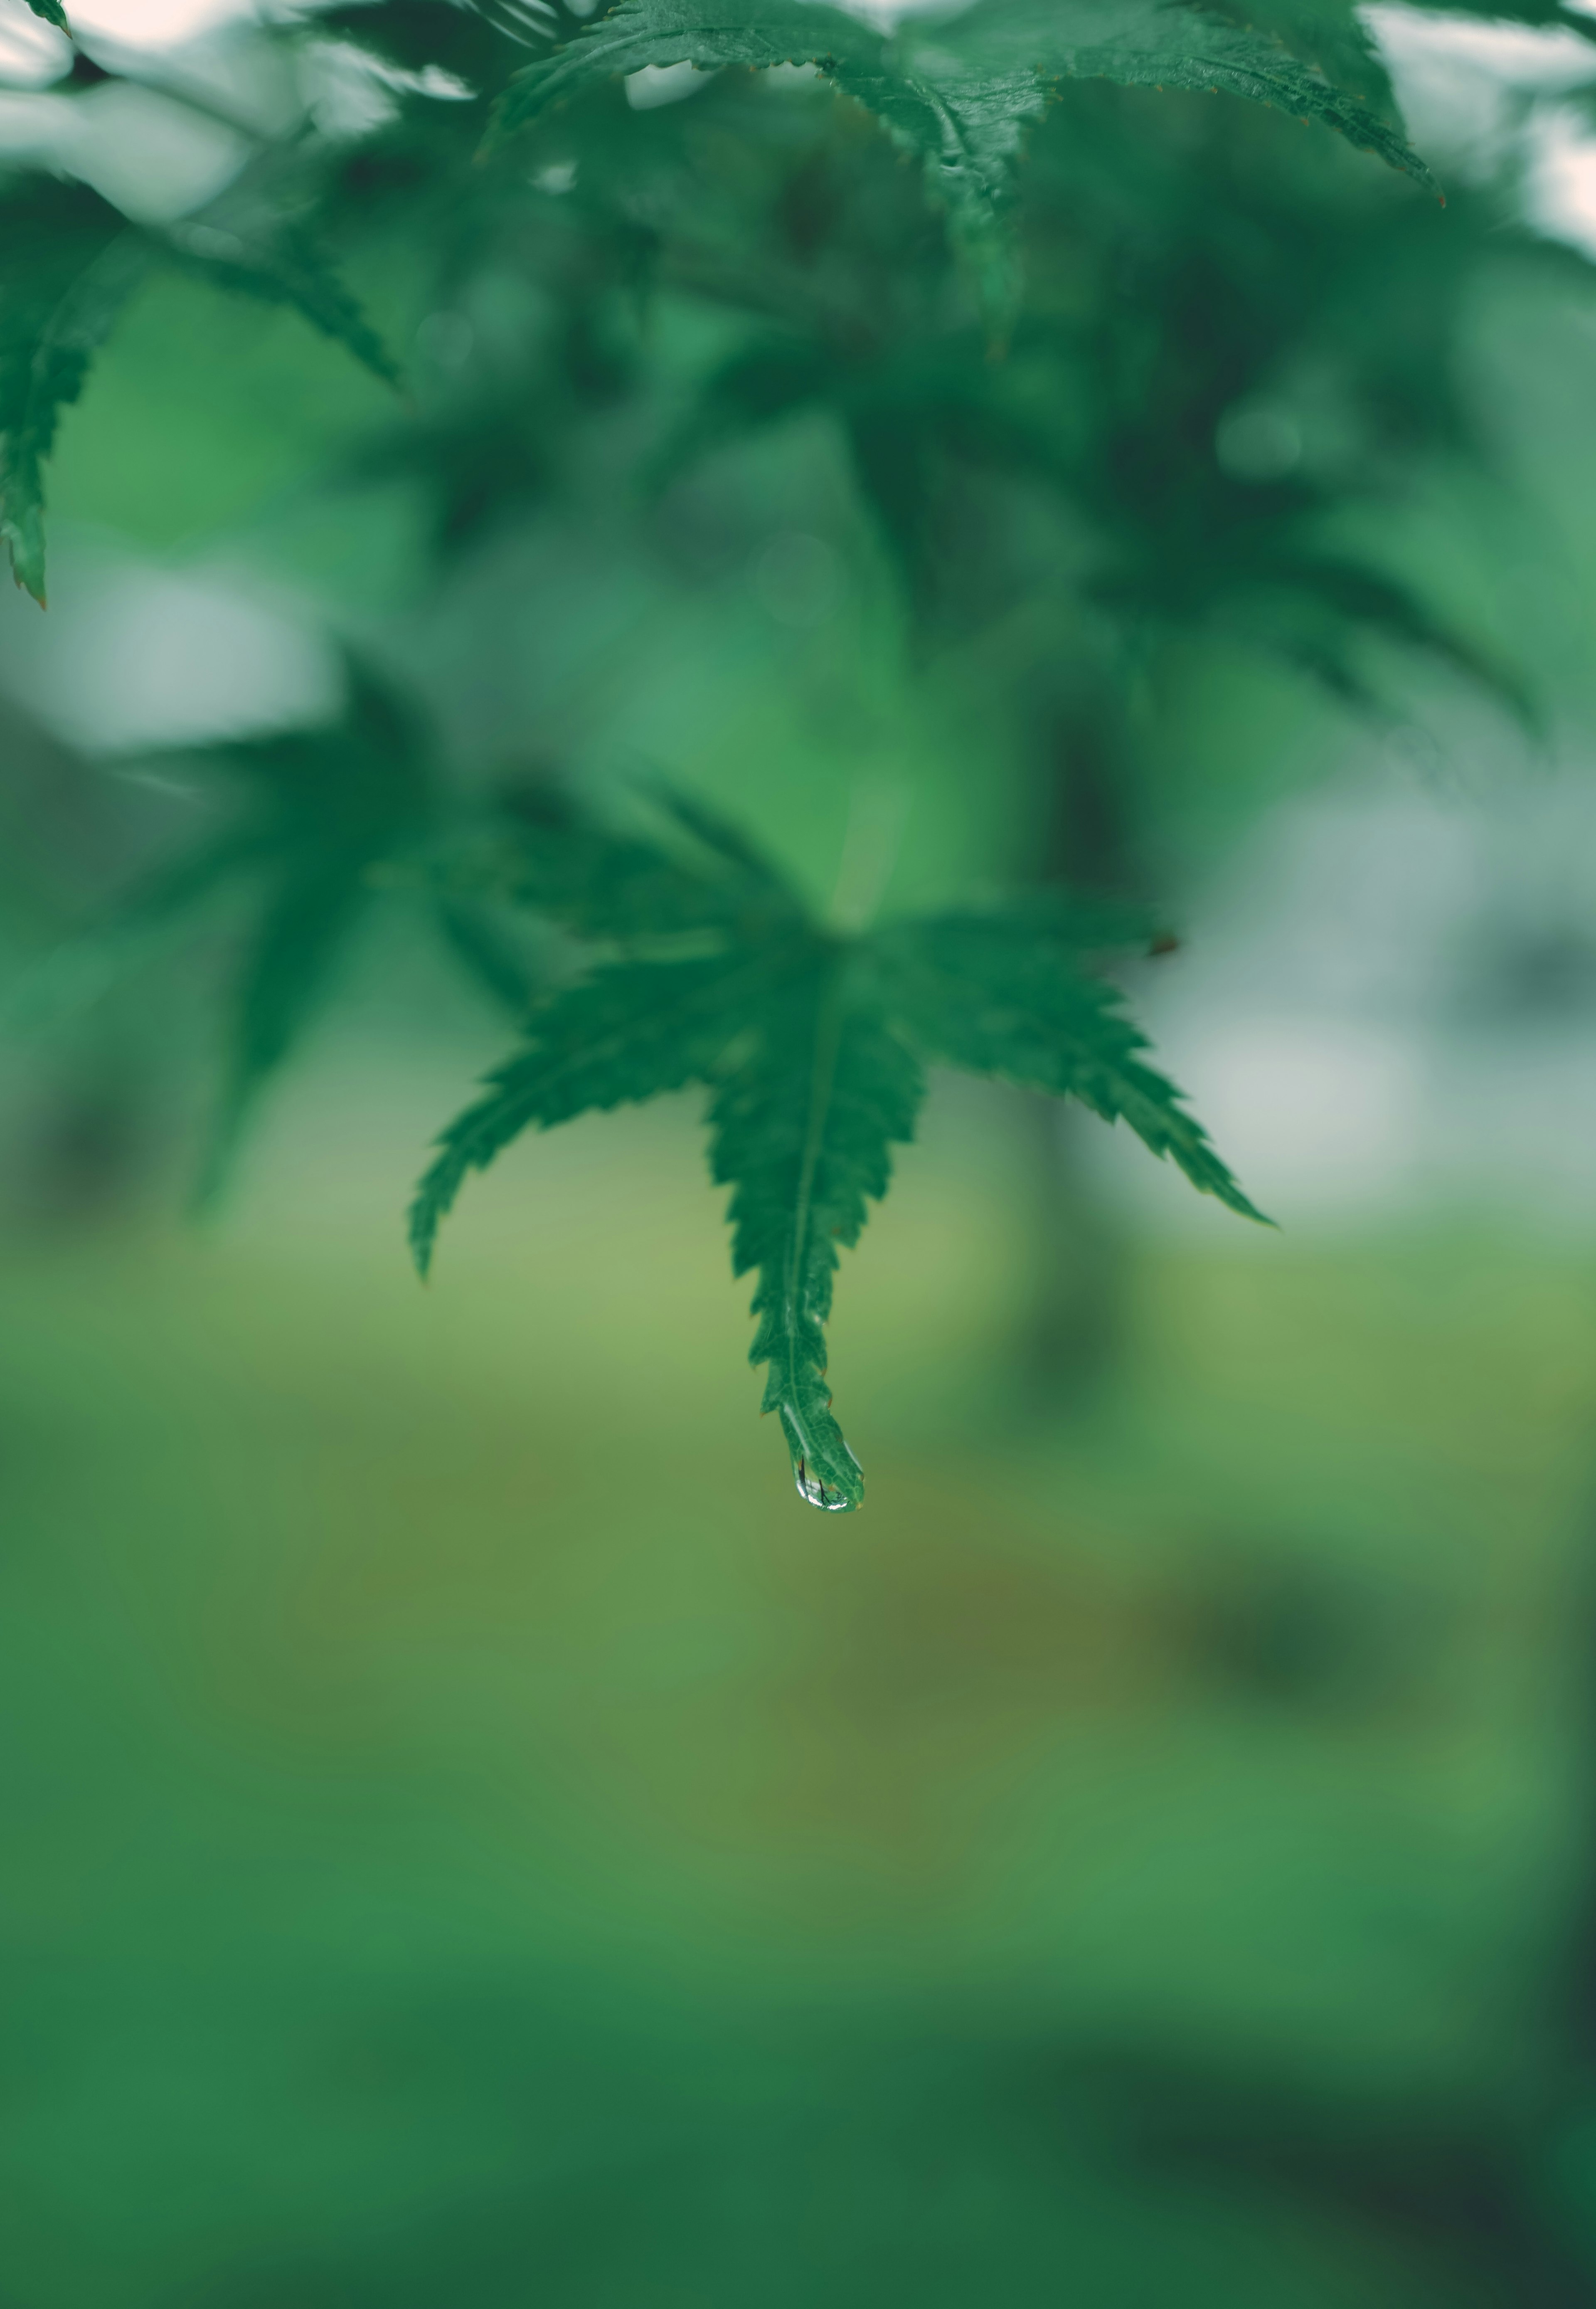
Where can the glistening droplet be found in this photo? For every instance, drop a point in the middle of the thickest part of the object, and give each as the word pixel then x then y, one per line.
pixel 818 1492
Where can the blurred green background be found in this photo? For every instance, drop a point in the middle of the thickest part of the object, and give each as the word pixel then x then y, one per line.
pixel 471 1836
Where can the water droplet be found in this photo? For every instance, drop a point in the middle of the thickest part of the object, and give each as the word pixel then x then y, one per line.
pixel 819 1493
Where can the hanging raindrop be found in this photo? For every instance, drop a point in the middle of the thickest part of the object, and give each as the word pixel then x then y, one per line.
pixel 818 1492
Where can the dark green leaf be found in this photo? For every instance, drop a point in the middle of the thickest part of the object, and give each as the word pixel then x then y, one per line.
pixel 602 883
pixel 331 808
pixel 1330 35
pixel 803 1132
pixel 321 812
pixel 478 464
pixel 1145 43
pixel 1364 600
pixel 961 93
pixel 989 995
pixel 629 1033
pixel 813 1082
pixel 282 264
pixel 708 33
pixel 68 262
pixel 413 34
pixel 499 967
pixel 287 964
pixel 52 12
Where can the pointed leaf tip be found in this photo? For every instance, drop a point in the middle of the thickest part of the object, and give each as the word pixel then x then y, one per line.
pixel 824 1471
pixel 23 529
pixel 802 1130
pixel 995 994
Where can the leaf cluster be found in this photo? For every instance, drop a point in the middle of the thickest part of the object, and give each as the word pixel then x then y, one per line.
pixel 689 962
pixel 812 1047
pixel 962 97
pixel 1056 309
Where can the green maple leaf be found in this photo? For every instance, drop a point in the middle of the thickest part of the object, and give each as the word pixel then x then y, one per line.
pixel 68 266
pixel 1326 34
pixel 811 1047
pixel 279 260
pixel 648 1022
pixel 630 1031
pixel 321 813
pixel 1004 994
pixel 961 92
pixel 802 1131
pixel 1310 606
pixel 698 875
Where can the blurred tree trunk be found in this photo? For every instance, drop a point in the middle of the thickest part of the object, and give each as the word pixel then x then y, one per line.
pixel 78 1137
pixel 1075 1254
pixel 1070 1328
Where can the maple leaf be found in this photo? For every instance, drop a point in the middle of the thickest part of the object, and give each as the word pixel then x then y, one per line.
pixel 68 263
pixel 1001 994
pixel 320 813
pixel 811 1047
pixel 960 92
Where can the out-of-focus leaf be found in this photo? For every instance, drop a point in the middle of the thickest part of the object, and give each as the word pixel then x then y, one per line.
pixel 961 93
pixel 283 265
pixel 1345 599
pixel 499 967
pixel 68 263
pixel 321 812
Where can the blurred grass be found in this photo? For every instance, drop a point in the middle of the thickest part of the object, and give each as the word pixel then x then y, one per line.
pixel 473 1835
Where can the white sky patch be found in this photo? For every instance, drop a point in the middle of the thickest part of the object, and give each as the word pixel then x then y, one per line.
pixel 145 24
pixel 32 53
pixel 132 655
pixel 1348 1012
pixel 1479 97
pixel 1420 46
pixel 654 84
pixel 32 127
pixel 1320 1114
pixel 1560 192
pixel 1466 86
pixel 152 158
pixel 885 14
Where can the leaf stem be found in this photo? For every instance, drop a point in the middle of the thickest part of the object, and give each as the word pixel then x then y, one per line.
pixel 828 1038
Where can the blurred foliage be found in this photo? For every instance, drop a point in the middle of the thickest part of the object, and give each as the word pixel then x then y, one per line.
pixel 1068 362
pixel 469 1853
